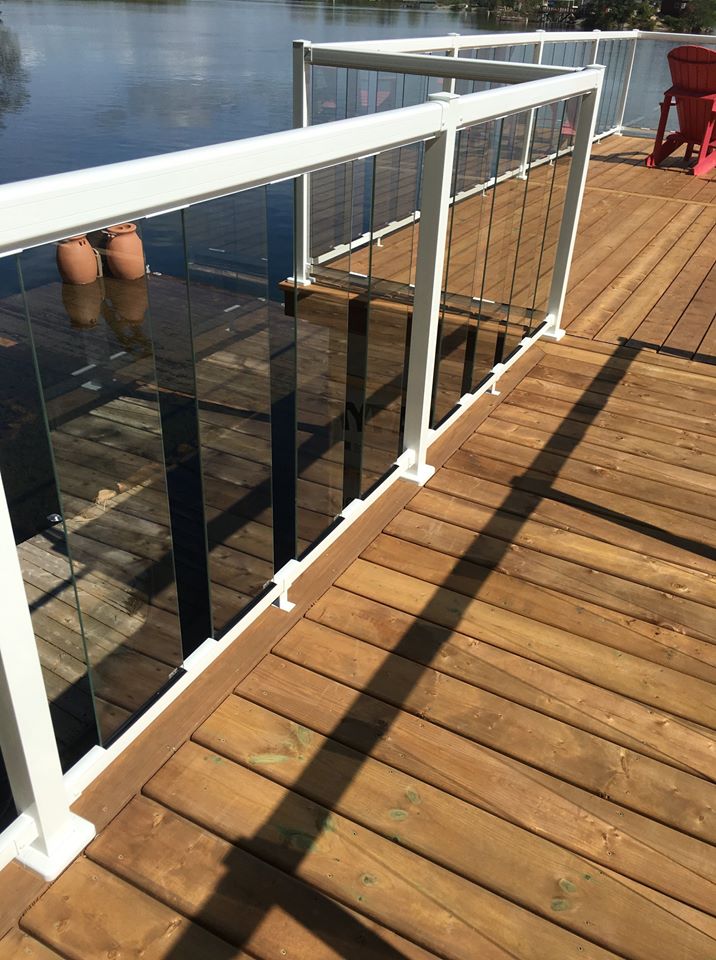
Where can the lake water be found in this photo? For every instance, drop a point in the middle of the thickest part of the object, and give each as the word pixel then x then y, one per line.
pixel 108 80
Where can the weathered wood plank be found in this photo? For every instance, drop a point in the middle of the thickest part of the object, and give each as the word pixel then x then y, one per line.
pixel 544 688
pixel 592 763
pixel 574 482
pixel 567 506
pixel 17 945
pixel 410 895
pixel 575 579
pixel 236 895
pixel 568 890
pixel 590 826
pixel 519 633
pixel 89 914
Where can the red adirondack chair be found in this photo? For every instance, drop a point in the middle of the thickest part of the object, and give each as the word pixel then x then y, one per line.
pixel 693 72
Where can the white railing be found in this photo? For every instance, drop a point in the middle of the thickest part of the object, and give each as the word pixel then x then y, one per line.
pixel 46 835
pixel 529 72
pixel 532 71
pixel 634 61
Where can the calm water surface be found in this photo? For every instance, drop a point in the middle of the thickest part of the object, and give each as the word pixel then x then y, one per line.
pixel 106 80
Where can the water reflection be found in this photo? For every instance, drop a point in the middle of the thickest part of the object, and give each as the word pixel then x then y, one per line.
pixel 13 76
pixel 114 80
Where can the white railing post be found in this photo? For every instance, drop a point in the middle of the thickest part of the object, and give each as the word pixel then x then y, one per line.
pixel 572 206
pixel 434 210
pixel 27 739
pixel 595 47
pixel 301 118
pixel 452 52
pixel 537 55
pixel 624 93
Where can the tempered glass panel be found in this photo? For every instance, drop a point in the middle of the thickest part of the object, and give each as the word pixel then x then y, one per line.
pixel 563 133
pixel 453 323
pixel 326 315
pixel 227 269
pixel 174 361
pixel 391 272
pixel 95 361
pixel 650 78
pixel 8 811
pixel 29 483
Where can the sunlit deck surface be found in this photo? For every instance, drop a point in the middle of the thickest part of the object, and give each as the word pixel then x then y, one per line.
pixel 487 728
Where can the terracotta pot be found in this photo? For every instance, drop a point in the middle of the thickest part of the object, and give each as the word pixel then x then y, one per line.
pixel 76 260
pixel 82 303
pixel 129 298
pixel 125 257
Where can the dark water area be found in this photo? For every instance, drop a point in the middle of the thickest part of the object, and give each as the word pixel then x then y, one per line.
pixel 97 81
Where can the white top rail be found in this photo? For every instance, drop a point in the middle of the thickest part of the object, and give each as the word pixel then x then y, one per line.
pixel 698 39
pixel 494 71
pixel 476 40
pixel 45 209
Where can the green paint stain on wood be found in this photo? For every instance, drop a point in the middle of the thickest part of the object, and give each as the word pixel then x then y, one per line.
pixel 368 879
pixel 214 758
pixel 558 905
pixel 413 796
pixel 303 735
pixel 587 876
pixel 567 886
pixel 298 839
pixel 330 824
pixel 265 758
pixel 398 814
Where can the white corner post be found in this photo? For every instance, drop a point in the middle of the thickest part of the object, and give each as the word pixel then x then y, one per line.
pixel 453 52
pixel 435 206
pixel 27 739
pixel 301 118
pixel 626 83
pixel 574 193
pixel 537 55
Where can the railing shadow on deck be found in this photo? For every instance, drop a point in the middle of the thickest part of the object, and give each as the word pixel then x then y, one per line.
pixel 338 926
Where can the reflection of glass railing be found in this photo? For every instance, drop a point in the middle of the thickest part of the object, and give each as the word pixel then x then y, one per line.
pixel 211 410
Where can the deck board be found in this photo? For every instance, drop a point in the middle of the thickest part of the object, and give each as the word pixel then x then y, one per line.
pixel 491 734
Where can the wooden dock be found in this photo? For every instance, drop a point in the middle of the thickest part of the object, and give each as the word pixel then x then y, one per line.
pixel 487 729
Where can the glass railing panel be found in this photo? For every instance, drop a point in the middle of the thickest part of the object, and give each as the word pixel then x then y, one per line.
pixel 559 130
pixel 35 511
pixel 469 165
pixel 227 272
pixel 325 317
pixel 95 359
pixel 508 229
pixel 470 319
pixel 651 77
pixel 614 55
pixel 391 276
pixel 8 811
pixel 172 334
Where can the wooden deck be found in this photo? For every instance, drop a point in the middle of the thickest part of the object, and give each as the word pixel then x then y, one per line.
pixel 644 268
pixel 487 730
pixel 492 736
pixel 644 274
